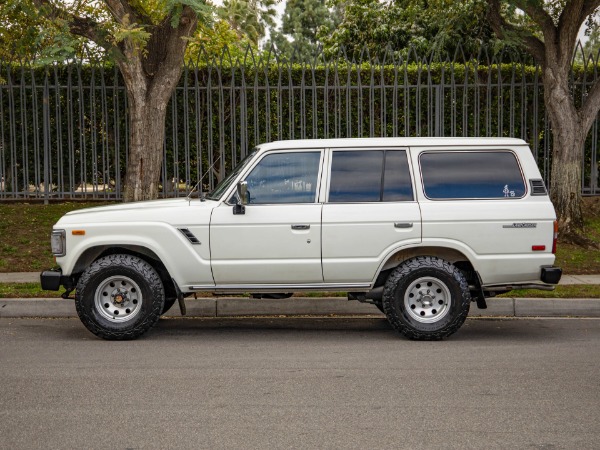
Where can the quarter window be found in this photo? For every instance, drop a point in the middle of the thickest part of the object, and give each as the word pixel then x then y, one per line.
pixel 370 176
pixel 284 178
pixel 464 175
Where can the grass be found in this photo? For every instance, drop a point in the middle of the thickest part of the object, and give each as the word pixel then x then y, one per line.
pixel 575 260
pixel 26 290
pixel 567 291
pixel 25 234
pixel 25 237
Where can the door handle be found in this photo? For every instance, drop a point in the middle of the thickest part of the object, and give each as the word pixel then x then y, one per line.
pixel 300 227
pixel 403 225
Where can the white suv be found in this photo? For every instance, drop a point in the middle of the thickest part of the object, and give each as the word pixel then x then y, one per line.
pixel 421 227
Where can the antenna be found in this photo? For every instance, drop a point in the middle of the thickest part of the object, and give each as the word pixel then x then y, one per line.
pixel 199 183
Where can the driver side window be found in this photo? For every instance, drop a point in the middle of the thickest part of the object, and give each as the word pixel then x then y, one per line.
pixel 284 178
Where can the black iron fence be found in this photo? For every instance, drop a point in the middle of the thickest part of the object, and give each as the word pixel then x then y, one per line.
pixel 64 129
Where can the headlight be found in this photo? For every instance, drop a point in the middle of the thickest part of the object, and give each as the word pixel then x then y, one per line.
pixel 57 242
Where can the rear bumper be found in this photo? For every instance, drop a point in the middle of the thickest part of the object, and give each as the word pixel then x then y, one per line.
pixel 53 279
pixel 549 278
pixel 551 274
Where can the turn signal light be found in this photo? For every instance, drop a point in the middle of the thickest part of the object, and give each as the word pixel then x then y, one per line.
pixel 78 232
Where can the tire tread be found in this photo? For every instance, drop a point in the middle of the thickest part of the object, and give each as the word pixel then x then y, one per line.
pixel 141 268
pixel 405 269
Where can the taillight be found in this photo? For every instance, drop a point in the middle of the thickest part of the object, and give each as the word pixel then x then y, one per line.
pixel 554 239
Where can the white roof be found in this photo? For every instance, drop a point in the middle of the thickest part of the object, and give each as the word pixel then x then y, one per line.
pixel 394 142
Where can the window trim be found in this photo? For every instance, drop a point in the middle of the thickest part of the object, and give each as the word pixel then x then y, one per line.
pixel 406 150
pixel 475 150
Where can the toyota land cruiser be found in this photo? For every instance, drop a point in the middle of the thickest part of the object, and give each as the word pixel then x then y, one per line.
pixel 421 227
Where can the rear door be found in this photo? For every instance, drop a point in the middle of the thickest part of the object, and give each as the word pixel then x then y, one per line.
pixel 478 202
pixel 370 211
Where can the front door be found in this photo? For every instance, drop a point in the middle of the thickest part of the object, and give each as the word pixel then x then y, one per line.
pixel 278 238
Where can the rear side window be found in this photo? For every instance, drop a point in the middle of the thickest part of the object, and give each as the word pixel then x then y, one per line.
pixel 471 175
pixel 370 176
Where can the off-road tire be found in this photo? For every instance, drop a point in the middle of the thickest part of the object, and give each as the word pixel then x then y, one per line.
pixel 151 296
pixel 442 274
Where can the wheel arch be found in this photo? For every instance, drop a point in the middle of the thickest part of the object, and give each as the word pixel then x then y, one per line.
pixel 93 253
pixel 452 255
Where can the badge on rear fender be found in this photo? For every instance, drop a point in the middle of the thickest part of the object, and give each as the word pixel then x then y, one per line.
pixel 521 225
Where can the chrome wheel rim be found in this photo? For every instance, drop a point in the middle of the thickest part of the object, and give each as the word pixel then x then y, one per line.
pixel 118 299
pixel 427 300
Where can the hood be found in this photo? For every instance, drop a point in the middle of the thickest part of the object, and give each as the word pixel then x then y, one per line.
pixel 135 206
pixel 174 211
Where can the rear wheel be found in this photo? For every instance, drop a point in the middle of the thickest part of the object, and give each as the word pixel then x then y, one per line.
pixel 426 298
pixel 119 297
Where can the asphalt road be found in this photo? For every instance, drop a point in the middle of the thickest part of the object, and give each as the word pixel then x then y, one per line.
pixel 300 383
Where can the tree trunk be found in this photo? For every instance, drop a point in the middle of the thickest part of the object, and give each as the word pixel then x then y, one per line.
pixel 147 132
pixel 151 76
pixel 568 138
pixel 566 181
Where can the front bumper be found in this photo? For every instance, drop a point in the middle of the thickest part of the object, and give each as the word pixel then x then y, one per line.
pixel 52 280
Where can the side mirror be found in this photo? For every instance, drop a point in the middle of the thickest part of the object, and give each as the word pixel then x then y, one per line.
pixel 242 193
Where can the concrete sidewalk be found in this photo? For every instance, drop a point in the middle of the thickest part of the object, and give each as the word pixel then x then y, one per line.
pixel 299 306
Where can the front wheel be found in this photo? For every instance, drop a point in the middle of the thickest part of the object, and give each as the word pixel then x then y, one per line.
pixel 426 298
pixel 119 297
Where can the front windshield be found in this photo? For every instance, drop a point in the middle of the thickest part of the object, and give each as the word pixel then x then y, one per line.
pixel 226 182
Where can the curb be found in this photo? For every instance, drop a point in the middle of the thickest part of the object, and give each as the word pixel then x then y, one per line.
pixel 303 306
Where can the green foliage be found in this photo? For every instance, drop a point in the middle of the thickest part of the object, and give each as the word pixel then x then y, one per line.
pixel 29 34
pixel 42 35
pixel 135 34
pixel 302 22
pixel 248 18
pixel 426 26
pixel 200 7
pixel 216 42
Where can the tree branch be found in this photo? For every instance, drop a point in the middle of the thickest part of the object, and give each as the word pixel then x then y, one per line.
pixel 80 26
pixel 569 23
pixel 500 26
pixel 537 13
pixel 572 17
pixel 589 6
pixel 121 8
pixel 591 106
pixel 167 45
